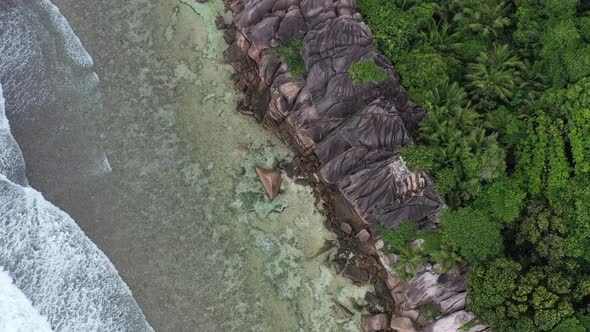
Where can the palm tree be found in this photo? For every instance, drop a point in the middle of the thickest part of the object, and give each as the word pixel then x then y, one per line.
pixel 534 81
pixel 449 95
pixel 410 257
pixel 447 258
pixel 495 75
pixel 486 19
pixel 441 37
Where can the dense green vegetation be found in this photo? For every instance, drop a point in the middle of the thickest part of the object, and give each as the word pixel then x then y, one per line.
pixel 507 140
pixel 366 71
pixel 291 55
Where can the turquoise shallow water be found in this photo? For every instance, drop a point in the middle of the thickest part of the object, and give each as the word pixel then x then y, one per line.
pixel 175 203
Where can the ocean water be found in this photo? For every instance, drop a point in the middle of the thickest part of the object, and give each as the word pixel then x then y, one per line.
pixel 125 116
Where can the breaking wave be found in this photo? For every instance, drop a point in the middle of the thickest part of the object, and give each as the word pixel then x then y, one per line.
pixel 62 281
pixel 16 311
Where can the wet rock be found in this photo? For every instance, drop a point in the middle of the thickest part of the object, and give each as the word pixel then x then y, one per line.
pixel 220 22
pixel 363 235
pixel 339 264
pixel 356 274
pixel 271 181
pixel 344 311
pixel 402 324
pixel 450 323
pixel 374 303
pixel 373 323
pixel 346 228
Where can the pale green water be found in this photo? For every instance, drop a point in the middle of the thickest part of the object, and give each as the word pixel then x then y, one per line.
pixel 182 215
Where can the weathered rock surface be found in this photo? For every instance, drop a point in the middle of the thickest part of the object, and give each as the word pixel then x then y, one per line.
pixel 450 323
pixel 373 323
pixel 402 324
pixel 356 132
pixel 423 289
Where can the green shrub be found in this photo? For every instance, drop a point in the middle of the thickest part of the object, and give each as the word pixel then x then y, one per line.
pixel 393 28
pixel 445 180
pixel 570 325
pixel 367 71
pixel 472 234
pixel 399 236
pixel 502 200
pixel 471 49
pixel 432 240
pixel 291 55
pixel 422 71
pixel 418 157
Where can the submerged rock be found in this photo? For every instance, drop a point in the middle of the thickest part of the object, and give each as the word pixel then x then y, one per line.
pixel 355 274
pixel 271 181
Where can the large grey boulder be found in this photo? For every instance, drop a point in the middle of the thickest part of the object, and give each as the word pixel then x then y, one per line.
pixel 450 323
pixel 423 289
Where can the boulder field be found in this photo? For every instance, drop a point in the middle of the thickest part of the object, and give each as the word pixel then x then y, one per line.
pixel 352 134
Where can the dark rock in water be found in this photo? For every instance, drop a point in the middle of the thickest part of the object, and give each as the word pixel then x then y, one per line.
pixel 339 264
pixel 382 290
pixel 344 311
pixel 271 181
pixel 202 1
pixel 402 324
pixel 375 304
pixel 355 274
pixel 373 323
pixel 220 22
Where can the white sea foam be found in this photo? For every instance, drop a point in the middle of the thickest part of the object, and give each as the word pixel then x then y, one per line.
pixel 66 277
pixel 60 270
pixel 12 164
pixel 73 46
pixel 16 311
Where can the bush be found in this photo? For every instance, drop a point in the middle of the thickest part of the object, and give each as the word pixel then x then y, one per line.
pixel 291 55
pixel 399 236
pixel 367 71
pixel 502 200
pixel 432 240
pixel 472 234
pixel 422 71
pixel 445 180
pixel 471 49
pixel 418 157
pixel 393 28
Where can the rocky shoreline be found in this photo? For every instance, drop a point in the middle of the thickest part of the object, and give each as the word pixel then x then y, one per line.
pixel 347 140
